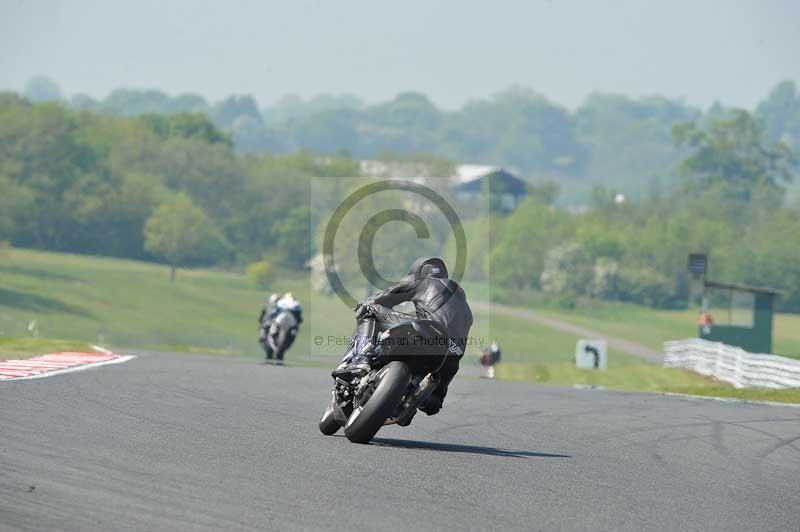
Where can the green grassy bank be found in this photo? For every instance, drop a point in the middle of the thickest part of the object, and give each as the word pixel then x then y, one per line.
pixel 125 303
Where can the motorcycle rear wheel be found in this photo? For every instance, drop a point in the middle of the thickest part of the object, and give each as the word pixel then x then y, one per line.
pixel 366 420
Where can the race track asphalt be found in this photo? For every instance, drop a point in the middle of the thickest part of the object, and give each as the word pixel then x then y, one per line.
pixel 211 443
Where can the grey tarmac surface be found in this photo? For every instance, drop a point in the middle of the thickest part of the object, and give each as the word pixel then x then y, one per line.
pixel 192 442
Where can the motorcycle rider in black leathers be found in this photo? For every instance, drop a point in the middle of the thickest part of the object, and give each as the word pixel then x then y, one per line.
pixel 436 298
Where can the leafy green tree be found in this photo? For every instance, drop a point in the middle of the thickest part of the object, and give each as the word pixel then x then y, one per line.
pixel 567 270
pixel 293 236
pixel 41 150
pixel 15 201
pixel 601 199
pixel 42 89
pixel 131 102
pixel 534 228
pixel 250 135
pixel 176 230
pixel 326 132
pixel 261 273
pixel 517 127
pixel 546 192
pixel 84 102
pixel 735 152
pixel 407 124
pixel 188 103
pixel 134 102
pixel 227 111
pixel 780 112
pixel 769 255
pixel 292 107
pixel 185 125
pixel 629 140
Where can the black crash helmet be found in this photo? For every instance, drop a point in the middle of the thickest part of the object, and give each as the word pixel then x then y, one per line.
pixel 429 267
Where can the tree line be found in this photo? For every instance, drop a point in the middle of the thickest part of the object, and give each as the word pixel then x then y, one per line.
pixel 620 142
pixel 729 202
pixel 86 182
pixel 173 188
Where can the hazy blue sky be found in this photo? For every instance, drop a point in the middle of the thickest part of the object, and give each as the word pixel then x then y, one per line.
pixel 452 50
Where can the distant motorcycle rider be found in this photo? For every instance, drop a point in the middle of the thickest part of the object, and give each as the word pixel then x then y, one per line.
pixel 290 304
pixel 435 297
pixel 278 330
pixel 265 317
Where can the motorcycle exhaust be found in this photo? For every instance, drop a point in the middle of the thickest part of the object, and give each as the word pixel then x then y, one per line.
pixel 425 389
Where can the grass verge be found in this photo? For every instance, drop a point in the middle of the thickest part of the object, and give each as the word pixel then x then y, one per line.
pixel 640 377
pixel 133 304
pixel 18 348
pixel 647 326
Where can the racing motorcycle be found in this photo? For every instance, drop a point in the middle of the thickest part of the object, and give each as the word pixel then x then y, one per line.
pixel 403 374
pixel 280 336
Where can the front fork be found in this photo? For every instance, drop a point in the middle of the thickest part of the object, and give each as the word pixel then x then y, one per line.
pixel 345 394
pixel 342 407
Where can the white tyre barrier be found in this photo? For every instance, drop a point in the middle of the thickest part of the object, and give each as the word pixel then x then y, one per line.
pixel 732 364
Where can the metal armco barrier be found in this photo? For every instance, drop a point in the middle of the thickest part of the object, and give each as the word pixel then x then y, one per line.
pixel 732 364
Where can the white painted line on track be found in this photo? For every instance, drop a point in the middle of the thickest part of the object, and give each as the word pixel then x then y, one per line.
pixel 688 397
pixel 729 399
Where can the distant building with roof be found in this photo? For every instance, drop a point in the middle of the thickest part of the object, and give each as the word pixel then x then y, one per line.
pixel 470 183
pixel 506 189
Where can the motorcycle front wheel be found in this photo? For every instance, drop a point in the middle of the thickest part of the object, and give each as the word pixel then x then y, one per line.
pixel 367 419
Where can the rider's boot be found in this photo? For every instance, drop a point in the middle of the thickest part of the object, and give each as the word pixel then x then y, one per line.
pixel 407 420
pixel 431 405
pixel 356 361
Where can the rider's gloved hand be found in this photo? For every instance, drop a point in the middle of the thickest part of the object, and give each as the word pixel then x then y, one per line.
pixel 363 309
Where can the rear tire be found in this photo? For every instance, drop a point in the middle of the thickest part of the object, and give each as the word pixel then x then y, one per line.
pixel 364 424
pixel 282 343
pixel 265 347
pixel 328 424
